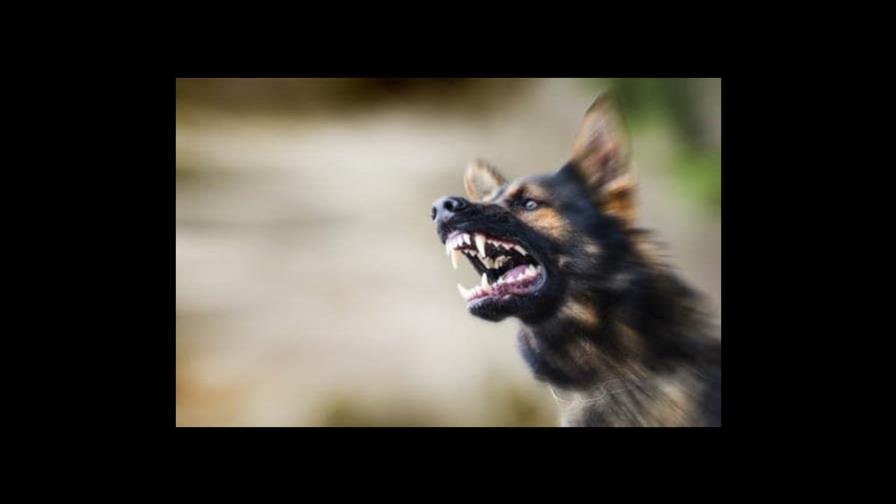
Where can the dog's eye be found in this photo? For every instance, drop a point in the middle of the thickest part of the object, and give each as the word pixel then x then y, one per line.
pixel 530 205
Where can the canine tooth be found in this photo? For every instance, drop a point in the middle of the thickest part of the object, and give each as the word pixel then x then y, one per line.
pixel 454 255
pixel 466 238
pixel 480 243
pixel 520 249
pixel 484 283
pixel 464 292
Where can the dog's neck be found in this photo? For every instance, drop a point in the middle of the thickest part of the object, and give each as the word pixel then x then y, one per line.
pixel 643 358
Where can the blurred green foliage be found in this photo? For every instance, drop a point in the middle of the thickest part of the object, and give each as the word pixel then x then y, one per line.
pixel 700 174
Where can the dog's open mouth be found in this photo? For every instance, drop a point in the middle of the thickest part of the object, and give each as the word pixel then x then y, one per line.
pixel 507 268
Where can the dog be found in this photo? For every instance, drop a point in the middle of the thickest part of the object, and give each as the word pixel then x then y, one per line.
pixel 619 338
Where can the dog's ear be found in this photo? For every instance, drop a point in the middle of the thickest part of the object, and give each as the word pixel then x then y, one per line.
pixel 480 179
pixel 601 160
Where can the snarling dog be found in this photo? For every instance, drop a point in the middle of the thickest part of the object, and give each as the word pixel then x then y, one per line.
pixel 617 336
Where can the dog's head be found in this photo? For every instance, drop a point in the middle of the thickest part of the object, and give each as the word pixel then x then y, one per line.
pixel 541 243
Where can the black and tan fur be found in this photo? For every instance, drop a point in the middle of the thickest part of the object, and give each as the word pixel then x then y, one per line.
pixel 618 337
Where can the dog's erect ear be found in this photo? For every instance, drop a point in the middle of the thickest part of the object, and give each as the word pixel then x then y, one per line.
pixel 601 158
pixel 480 179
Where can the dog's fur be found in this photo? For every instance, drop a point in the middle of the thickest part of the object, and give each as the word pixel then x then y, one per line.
pixel 618 337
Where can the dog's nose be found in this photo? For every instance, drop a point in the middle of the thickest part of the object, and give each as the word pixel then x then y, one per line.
pixel 445 207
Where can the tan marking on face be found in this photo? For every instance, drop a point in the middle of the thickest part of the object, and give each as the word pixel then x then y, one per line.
pixel 513 190
pixel 580 312
pixel 548 221
pixel 536 192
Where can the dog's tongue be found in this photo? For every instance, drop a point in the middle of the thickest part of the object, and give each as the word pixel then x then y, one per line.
pixel 515 272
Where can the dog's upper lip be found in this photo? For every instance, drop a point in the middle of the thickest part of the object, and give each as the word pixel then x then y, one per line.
pixel 479 239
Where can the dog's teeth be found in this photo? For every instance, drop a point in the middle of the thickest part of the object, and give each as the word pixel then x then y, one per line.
pixel 466 238
pixel 480 243
pixel 520 249
pixel 465 293
pixel 487 261
pixel 454 255
pixel 484 283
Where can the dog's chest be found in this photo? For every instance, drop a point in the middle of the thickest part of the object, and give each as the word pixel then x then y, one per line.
pixel 666 401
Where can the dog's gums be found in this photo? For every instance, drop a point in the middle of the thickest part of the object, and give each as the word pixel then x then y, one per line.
pixel 506 267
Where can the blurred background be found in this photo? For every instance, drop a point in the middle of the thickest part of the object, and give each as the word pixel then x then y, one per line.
pixel 311 287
